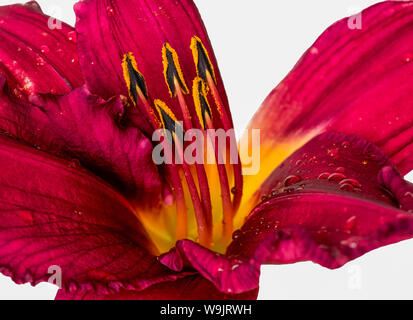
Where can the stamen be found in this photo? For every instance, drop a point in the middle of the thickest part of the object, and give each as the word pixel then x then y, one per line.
pixel 138 91
pixel 236 162
pixel 202 60
pixel 133 78
pixel 204 114
pixel 201 102
pixel 206 72
pixel 204 231
pixel 177 88
pixel 172 70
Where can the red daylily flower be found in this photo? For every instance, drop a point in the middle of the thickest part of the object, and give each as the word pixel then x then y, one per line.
pixel 79 188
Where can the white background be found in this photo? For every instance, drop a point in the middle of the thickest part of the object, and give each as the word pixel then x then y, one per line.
pixel 257 43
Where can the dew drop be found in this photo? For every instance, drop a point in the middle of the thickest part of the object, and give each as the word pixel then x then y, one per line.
pixel 314 50
pixel 333 153
pixel 341 169
pixel 40 61
pixel 290 180
pixel 355 183
pixel 45 49
pixel 350 224
pixel 408 195
pixel 346 144
pixel 234 190
pixel 324 176
pixel 236 234
pixel 72 36
pixel 336 177
pixel 408 57
pixel 347 187
pixel 110 11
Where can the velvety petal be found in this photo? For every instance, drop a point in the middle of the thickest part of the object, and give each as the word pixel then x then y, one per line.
pixel 189 288
pixel 37 54
pixel 332 201
pixel 110 28
pixel 52 214
pixel 356 81
pixel 83 128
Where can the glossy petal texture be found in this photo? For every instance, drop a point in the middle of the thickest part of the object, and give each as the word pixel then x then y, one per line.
pixel 333 200
pixel 43 60
pixel 189 288
pixel 110 28
pixel 83 128
pixel 52 214
pixel 357 81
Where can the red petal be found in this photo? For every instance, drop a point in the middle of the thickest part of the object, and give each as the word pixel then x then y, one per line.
pixel 34 57
pixel 346 199
pixel 110 28
pixel 189 288
pixel 353 81
pixel 54 215
pixel 229 274
pixel 83 127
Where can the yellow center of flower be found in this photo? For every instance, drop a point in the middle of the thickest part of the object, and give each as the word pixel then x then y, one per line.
pixel 200 199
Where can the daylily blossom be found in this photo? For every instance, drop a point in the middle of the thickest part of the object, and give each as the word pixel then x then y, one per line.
pixel 79 189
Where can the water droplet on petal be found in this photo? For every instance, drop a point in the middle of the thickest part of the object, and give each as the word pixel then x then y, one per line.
pixel 236 234
pixel 350 224
pixel 110 11
pixel 408 195
pixel 45 49
pixel 324 176
pixel 333 153
pixel 235 266
pixel 353 182
pixel 345 144
pixel 234 190
pixel 347 187
pixel 408 57
pixel 336 177
pixel 314 50
pixel 290 180
pixel 341 169
pixel 72 36
pixel 40 61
